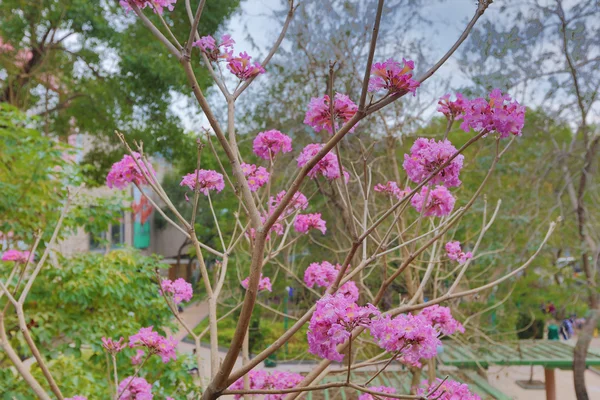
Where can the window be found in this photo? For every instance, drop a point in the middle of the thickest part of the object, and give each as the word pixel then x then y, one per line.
pixel 115 235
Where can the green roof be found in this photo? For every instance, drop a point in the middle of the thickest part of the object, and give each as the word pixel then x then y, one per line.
pixel 401 380
pixel 547 353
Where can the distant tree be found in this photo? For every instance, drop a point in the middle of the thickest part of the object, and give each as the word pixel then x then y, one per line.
pixel 549 51
pixel 90 295
pixel 87 66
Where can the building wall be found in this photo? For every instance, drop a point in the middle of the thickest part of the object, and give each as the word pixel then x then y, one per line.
pixel 165 242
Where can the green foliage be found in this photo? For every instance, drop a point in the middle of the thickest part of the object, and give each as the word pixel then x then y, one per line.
pixel 74 304
pixel 107 71
pixel 33 174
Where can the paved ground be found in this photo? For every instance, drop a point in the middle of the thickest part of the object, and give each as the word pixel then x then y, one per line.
pixel 502 378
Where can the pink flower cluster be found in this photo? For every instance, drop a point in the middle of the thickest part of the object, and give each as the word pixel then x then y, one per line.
pixel 264 283
pixel 179 290
pixel 332 322
pixel 391 188
pixel 318 114
pixel 328 166
pixel 213 51
pixel 16 256
pixel 137 359
pixel 156 344
pixel 5 47
pixel 437 202
pixel 137 389
pixel 455 252
pixel 306 222
pixel 207 180
pixel 349 290
pixel 262 380
pixel 113 346
pixel 441 319
pixel 393 76
pixel 498 114
pixel 412 336
pixel 452 109
pixel 380 389
pixel 269 143
pixel 126 171
pixel 277 227
pixel 426 156
pixel 321 274
pixel 448 390
pixel 257 176
pixel 298 202
pixel 324 274
pixel 157 5
pixel 240 66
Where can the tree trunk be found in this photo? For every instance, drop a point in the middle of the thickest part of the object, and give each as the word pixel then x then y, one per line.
pixel 580 354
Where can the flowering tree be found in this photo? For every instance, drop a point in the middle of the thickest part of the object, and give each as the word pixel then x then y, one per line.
pixel 412 222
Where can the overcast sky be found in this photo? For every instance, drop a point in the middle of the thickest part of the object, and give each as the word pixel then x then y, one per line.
pixel 254 30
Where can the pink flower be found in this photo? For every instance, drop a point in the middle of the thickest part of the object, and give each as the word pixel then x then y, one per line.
pixel 440 201
pixel 157 5
pixel 391 188
pixel 242 68
pixel 111 346
pixel 349 290
pixel 76 398
pixel 441 318
pixel 180 290
pixel 328 166
pixel 298 202
pixel 411 336
pixel 324 274
pixel 269 143
pixel 155 343
pixel 428 155
pixel 263 283
pixel 305 222
pixel 137 389
pixel 257 176
pixel 206 43
pixel 448 390
pixel 455 252
pixel 206 178
pixel 452 109
pixel 167 349
pixel 5 47
pixel 318 114
pixel 16 256
pixel 23 57
pixel 282 380
pixel 258 379
pixel 380 389
pixel 277 227
pixel 331 323
pixel 127 171
pixel 499 114
pixel 321 274
pixel 393 77
pixel 137 359
pixel 213 51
